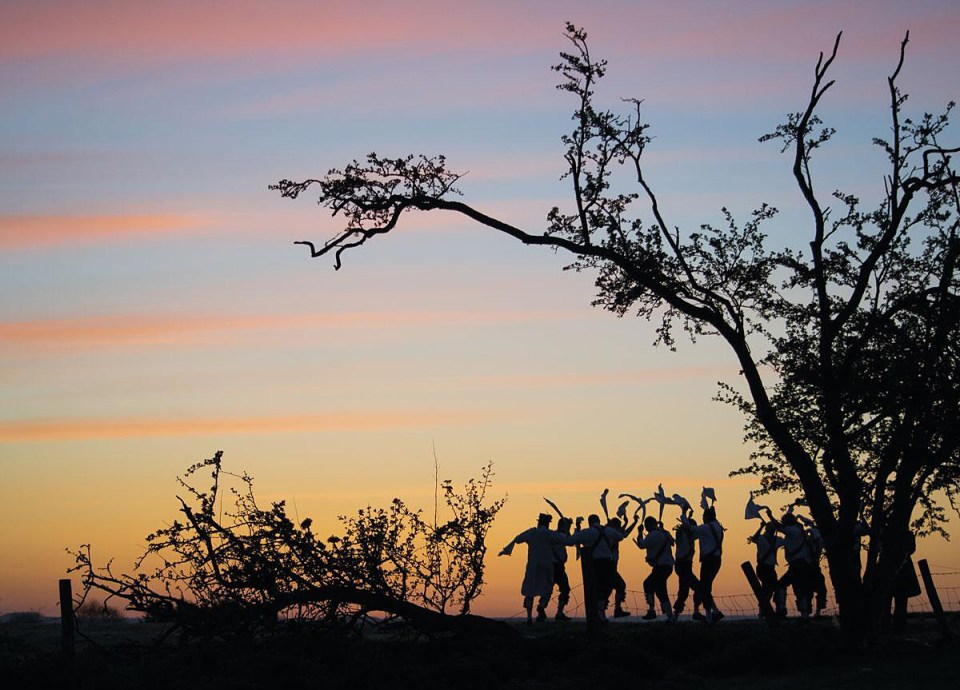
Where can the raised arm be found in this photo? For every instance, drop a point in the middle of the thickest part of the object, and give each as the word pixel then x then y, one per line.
pixel 630 527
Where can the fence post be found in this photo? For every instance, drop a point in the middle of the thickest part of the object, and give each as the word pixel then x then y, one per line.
pixel 67 641
pixel 589 591
pixel 934 599
pixel 757 587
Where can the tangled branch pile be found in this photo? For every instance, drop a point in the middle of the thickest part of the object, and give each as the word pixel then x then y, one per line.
pixel 229 564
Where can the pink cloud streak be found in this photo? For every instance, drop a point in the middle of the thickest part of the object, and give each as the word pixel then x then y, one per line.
pixel 133 330
pixel 112 428
pixel 174 30
pixel 33 232
pixel 581 379
pixel 169 30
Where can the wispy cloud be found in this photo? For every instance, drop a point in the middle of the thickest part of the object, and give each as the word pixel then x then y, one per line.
pixel 169 30
pixel 33 430
pixel 588 379
pixel 45 231
pixel 146 330
pixel 721 59
pixel 175 29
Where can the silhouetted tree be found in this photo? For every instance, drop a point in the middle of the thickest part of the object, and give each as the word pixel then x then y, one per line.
pixel 847 342
pixel 229 566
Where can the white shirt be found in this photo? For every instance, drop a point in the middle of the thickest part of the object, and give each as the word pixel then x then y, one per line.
pixel 560 547
pixel 600 538
pixel 685 545
pixel 767 551
pixel 711 538
pixel 657 546
pixel 795 543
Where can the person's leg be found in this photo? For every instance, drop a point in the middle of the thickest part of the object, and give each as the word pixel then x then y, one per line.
pixel 684 573
pixel 695 588
pixel 562 582
pixel 797 578
pixel 661 589
pixel 620 589
pixel 708 571
pixel 780 595
pixel 542 606
pixel 649 588
pixel 807 580
pixel 709 568
pixel 819 589
pixel 603 577
pixel 767 575
pixel 899 623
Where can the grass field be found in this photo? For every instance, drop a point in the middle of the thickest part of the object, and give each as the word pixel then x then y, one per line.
pixel 733 654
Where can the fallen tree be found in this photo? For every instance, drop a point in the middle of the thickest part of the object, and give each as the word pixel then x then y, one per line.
pixel 240 568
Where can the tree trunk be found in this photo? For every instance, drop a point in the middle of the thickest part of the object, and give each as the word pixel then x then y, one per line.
pixel 863 602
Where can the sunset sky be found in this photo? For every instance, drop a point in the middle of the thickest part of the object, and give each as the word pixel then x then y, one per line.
pixel 154 309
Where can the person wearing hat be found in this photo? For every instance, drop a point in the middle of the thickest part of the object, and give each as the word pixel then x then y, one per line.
pixel 538 575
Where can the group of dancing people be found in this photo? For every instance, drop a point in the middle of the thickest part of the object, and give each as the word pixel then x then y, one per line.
pixel 802 546
pixel 666 552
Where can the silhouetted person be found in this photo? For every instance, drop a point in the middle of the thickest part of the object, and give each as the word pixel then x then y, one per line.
pixel 657 544
pixel 686 581
pixel 797 553
pixel 619 584
pixel 768 543
pixel 597 542
pixel 710 536
pixel 818 583
pixel 905 586
pixel 560 578
pixel 538 576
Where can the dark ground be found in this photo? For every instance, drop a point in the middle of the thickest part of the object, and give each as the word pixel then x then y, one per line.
pixel 733 654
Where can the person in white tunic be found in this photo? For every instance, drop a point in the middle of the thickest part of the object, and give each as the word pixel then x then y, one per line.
pixel 538 576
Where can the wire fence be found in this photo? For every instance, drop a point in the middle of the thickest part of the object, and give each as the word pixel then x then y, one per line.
pixel 946 580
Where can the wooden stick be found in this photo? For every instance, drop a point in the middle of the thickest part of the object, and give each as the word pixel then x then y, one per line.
pixel 934 599
pixel 67 638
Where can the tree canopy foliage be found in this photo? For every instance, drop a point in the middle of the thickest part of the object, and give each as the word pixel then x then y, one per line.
pixel 847 340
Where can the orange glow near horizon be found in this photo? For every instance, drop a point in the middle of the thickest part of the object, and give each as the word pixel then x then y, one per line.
pixel 24 590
